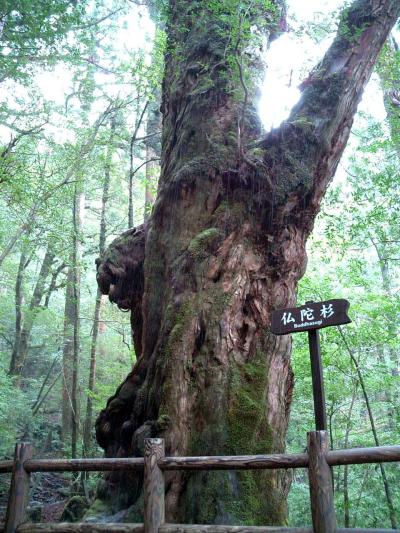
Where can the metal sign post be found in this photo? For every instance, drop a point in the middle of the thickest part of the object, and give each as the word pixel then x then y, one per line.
pixel 311 317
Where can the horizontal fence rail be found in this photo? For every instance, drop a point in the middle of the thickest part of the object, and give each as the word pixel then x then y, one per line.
pixel 174 528
pixel 6 466
pixel 235 462
pixel 318 460
pixel 359 456
pixel 84 465
pixel 350 456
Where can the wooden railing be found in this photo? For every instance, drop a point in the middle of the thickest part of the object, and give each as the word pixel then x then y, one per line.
pixel 318 460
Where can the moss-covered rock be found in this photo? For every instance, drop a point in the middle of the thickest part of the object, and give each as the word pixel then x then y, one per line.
pixel 97 511
pixel 74 509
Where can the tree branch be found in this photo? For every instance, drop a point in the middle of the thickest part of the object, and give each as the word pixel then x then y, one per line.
pixel 74 168
pixel 38 397
pixel 15 140
pixel 53 284
pixel 39 405
pixel 302 155
pixel 102 19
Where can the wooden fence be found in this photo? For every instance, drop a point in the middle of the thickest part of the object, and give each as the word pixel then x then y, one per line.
pixel 318 460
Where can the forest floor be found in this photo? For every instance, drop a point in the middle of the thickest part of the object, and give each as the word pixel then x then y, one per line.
pixel 49 494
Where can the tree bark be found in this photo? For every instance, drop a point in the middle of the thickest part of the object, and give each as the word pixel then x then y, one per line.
pixel 224 247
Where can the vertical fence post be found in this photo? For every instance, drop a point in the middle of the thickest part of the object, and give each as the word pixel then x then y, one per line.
pixel 19 489
pixel 154 511
pixel 321 486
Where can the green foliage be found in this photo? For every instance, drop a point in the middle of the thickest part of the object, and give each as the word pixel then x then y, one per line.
pixel 53 147
pixel 34 31
pixel 12 420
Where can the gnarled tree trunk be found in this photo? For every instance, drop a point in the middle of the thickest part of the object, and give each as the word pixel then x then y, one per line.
pixel 225 246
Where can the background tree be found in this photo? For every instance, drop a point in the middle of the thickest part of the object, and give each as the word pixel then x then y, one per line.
pixel 87 435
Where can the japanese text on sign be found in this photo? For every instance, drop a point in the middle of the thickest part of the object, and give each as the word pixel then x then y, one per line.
pixel 313 315
pixel 307 317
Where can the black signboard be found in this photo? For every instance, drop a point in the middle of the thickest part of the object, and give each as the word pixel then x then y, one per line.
pixel 312 315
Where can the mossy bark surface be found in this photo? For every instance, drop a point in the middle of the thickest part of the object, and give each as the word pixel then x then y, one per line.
pixel 224 247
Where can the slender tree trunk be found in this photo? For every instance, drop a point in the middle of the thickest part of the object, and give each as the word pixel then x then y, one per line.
pixel 32 311
pixel 78 212
pixel 70 411
pixel 43 398
pixel 87 439
pixel 12 242
pixel 68 336
pixel 71 313
pixel 47 377
pixel 87 432
pixel 131 163
pixel 346 499
pixel 382 255
pixel 390 356
pixel 19 316
pixel 389 74
pixel 388 492
pixel 153 153
pixel 224 247
pixel 356 505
